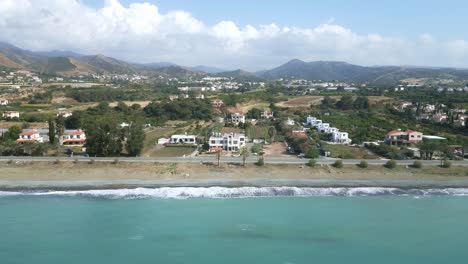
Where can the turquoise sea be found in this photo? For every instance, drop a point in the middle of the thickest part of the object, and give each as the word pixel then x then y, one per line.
pixel 216 225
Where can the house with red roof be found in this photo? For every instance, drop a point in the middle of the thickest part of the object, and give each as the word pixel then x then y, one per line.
pixel 399 137
pixel 30 136
pixel 73 138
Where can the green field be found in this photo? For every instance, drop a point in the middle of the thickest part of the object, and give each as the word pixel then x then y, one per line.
pixel 258 132
pixel 173 152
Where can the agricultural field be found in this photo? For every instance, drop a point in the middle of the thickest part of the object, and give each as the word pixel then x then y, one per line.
pixel 257 132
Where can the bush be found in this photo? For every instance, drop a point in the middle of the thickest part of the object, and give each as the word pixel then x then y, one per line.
pixel 363 164
pixel 115 161
pixel 446 164
pixel 417 164
pixel 75 161
pixel 311 163
pixel 57 161
pixel 260 162
pixel 338 164
pixel 391 164
pixel 91 161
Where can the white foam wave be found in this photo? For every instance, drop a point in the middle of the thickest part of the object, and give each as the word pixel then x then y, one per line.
pixel 242 192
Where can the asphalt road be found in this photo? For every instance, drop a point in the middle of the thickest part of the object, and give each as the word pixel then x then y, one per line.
pixel 252 159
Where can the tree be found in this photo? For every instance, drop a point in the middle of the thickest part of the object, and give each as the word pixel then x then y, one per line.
pixel 51 131
pixel 328 102
pixel 272 133
pixel 260 162
pixel 135 139
pixel 391 164
pixel 103 137
pixel 338 164
pixel 417 164
pixel 311 163
pixel 218 156
pixel 12 134
pixel 244 152
pixel 361 103
pixel 345 103
pixel 60 125
pixel 74 121
pixel 363 164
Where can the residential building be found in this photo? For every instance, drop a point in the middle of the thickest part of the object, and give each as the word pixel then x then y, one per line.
pixel 330 130
pixel 73 138
pixel 290 122
pixel 200 96
pixel 30 136
pixel 313 121
pixel 64 114
pixel 217 103
pixel 4 102
pixel 173 97
pixel 267 115
pixel 11 114
pixel 398 137
pixel 227 142
pixel 183 139
pixel 341 137
pixel 323 127
pixel 237 118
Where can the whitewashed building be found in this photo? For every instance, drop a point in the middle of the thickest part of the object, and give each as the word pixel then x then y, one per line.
pixel 64 114
pixel 4 102
pixel 226 142
pixel 11 114
pixel 341 137
pixel 183 139
pixel 73 138
pixel 237 118
pixel 30 136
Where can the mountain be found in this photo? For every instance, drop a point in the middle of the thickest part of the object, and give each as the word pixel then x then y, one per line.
pixel 207 69
pixel 239 75
pixel 59 53
pixel 158 65
pixel 108 64
pixel 342 71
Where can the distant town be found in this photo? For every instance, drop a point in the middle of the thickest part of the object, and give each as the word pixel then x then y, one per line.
pixel 118 115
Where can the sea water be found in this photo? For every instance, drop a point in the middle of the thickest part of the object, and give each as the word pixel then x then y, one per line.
pixel 235 225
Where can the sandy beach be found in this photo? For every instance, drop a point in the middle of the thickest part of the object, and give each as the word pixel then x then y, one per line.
pixel 68 175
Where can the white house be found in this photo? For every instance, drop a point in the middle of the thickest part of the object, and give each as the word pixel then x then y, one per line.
pixel 200 96
pixel 313 121
pixel 341 137
pixel 237 118
pixel 30 136
pixel 290 122
pixel 227 142
pixel 267 114
pixel 331 130
pixel 11 114
pixel 4 102
pixel 64 114
pixel 183 139
pixel 322 127
pixel 73 138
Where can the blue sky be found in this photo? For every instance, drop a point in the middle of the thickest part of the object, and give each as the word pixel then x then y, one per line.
pixel 246 34
pixel 444 19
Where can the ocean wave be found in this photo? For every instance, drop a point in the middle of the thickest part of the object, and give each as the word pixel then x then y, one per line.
pixel 241 192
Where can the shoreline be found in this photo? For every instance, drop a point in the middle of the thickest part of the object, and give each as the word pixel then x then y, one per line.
pixel 65 176
pixel 32 186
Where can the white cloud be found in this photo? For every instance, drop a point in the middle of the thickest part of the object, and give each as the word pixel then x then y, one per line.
pixel 140 32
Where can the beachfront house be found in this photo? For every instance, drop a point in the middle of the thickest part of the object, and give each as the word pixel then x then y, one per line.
pixel 73 138
pixel 227 142
pixel 399 137
pixel 183 139
pixel 30 136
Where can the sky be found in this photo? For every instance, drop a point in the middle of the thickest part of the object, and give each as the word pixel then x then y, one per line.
pixel 250 35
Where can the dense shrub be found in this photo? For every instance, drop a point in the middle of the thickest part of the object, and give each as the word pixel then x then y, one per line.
pixel 338 164
pixel 311 163
pixel 391 164
pixel 363 164
pixel 446 164
pixel 417 164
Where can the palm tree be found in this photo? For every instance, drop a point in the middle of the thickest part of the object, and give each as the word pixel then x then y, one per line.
pixel 244 152
pixel 272 133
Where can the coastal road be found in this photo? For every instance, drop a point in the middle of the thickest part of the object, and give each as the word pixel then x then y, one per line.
pixel 191 159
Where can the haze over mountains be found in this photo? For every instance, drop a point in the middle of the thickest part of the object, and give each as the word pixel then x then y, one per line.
pixel 69 63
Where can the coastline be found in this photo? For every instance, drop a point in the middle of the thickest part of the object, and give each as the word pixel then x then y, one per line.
pixel 69 176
